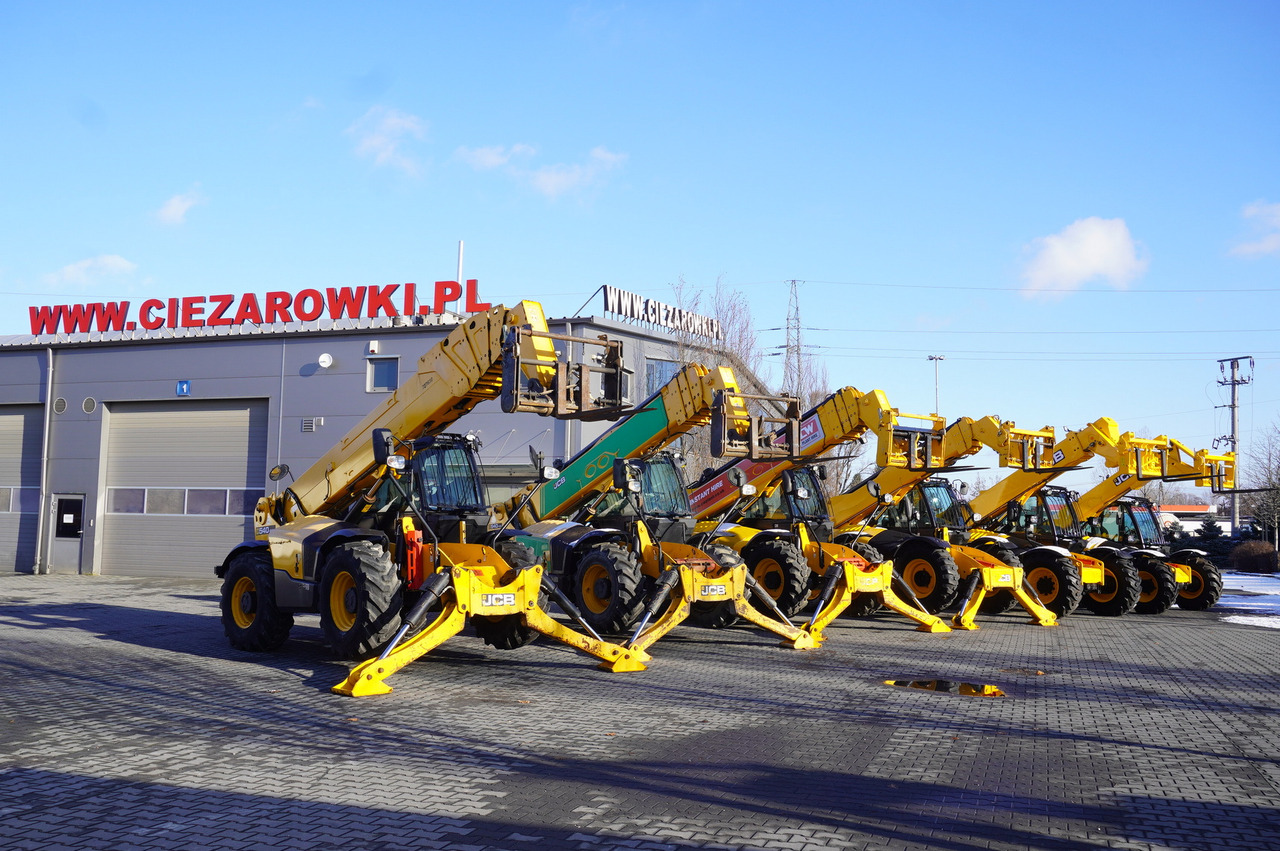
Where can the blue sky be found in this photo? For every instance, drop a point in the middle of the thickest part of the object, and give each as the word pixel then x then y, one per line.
pixel 1078 205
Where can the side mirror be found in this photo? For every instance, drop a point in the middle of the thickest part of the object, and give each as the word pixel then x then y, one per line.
pixel 737 477
pixel 382 445
pixel 873 488
pixel 964 488
pixel 622 478
pixel 822 472
pixel 278 472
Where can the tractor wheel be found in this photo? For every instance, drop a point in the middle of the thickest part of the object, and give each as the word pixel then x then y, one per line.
pixel 720 614
pixel 933 577
pixel 780 568
pixel 1056 582
pixel 1158 587
pixel 1205 587
pixel 361 597
pixel 864 605
pixel 250 617
pixel 608 588
pixel 1120 589
pixel 507 632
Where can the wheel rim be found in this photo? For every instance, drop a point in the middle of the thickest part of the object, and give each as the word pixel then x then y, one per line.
pixel 770 576
pixel 1045 581
pixel 342 601
pixel 920 575
pixel 597 588
pixel 1150 588
pixel 1193 588
pixel 244 602
pixel 1110 587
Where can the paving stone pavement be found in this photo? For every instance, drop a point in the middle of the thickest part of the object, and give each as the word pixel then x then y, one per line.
pixel 126 721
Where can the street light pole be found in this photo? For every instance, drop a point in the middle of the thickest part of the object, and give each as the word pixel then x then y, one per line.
pixel 935 359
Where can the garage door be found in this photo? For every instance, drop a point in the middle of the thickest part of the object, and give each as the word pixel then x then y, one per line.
pixel 21 427
pixel 182 479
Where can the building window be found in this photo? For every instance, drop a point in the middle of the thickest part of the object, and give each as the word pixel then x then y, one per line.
pixel 216 502
pixel 657 373
pixel 383 375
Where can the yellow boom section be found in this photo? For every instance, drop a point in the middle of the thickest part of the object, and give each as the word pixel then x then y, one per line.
pixel 455 375
pixel 1141 460
pixel 1016 447
pixel 1099 437
pixel 843 416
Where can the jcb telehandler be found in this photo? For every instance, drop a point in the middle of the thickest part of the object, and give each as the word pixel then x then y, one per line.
pixel 784 533
pixel 924 527
pixel 618 519
pixel 393 520
pixel 1138 459
pixel 1131 523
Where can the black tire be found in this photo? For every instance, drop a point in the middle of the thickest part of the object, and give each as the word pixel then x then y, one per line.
pixel 1056 581
pixel 780 568
pixel 864 605
pixel 361 599
pixel 250 617
pixel 608 588
pixel 1000 600
pixel 1120 589
pixel 507 632
pixel 932 576
pixel 1205 588
pixel 1158 587
pixel 720 614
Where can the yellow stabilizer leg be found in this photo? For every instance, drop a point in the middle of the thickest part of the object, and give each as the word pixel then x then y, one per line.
pixel 965 618
pixel 677 611
pixel 475 592
pixel 366 679
pixel 926 621
pixel 1040 616
pixel 839 601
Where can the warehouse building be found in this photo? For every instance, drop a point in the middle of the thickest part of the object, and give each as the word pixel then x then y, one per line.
pixel 138 445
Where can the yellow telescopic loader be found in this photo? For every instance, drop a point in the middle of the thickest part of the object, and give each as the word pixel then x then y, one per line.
pixel 393 521
pixel 618 522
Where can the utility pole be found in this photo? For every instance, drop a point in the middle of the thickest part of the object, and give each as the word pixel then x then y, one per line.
pixel 793 366
pixel 935 358
pixel 1234 383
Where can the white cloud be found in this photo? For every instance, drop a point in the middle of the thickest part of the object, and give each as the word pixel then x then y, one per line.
pixel 555 180
pixel 1085 250
pixel 384 134
pixel 1266 220
pixel 87 272
pixel 493 156
pixel 174 211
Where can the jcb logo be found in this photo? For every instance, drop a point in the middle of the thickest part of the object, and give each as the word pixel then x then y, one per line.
pixel 1122 478
pixel 713 591
pixel 1006 577
pixel 495 600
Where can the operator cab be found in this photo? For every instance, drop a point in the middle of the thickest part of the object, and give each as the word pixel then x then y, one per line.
pixel 443 484
pixel 1131 522
pixel 796 497
pixel 662 498
pixel 1046 517
pixel 928 508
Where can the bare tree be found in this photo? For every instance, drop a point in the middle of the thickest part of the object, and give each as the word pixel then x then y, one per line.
pixel 1264 474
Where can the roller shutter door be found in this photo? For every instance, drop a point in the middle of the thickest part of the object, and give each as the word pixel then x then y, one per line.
pixel 182 479
pixel 21 431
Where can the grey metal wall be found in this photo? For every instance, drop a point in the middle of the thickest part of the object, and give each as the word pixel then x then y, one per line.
pixel 304 409
pixel 21 438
